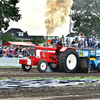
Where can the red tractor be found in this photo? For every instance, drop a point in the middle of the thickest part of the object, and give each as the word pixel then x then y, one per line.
pixel 66 59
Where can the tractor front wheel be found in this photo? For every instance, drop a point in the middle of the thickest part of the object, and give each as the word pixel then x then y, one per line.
pixel 42 66
pixel 26 68
pixel 68 61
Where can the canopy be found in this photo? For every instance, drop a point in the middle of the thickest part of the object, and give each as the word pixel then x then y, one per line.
pixel 19 43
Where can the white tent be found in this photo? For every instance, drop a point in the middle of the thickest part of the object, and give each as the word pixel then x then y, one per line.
pixel 19 43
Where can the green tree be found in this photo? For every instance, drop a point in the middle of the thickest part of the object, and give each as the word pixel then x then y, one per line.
pixel 8 12
pixel 36 40
pixel 86 15
pixel 6 37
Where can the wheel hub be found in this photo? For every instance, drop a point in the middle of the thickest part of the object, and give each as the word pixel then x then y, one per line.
pixel 71 61
pixel 43 66
pixel 27 67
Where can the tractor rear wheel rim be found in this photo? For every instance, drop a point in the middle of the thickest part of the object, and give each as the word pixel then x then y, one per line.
pixel 71 61
pixel 43 66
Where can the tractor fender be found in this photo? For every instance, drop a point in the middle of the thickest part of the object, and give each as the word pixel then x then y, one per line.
pixel 63 49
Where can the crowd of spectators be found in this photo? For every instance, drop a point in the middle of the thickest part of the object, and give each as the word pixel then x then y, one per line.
pixel 82 43
pixel 79 43
pixel 14 51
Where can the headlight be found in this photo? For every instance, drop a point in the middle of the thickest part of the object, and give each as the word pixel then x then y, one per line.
pixel 28 62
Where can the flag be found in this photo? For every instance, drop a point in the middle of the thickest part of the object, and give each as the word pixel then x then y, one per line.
pixel 70 25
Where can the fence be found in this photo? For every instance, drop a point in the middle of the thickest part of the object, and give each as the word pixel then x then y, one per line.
pixel 9 62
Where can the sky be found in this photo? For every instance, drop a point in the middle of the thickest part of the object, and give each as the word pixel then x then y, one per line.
pixel 32 20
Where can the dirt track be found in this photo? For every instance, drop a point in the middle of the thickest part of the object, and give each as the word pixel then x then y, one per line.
pixel 48 93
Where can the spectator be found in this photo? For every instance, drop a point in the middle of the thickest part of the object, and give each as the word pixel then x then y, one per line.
pixel 0 52
pixel 89 43
pixel 21 49
pixel 4 49
pixel 98 46
pixel 87 40
pixel 92 43
pixel 55 40
pixel 62 39
pixel 11 49
pixel 73 43
pixel 1 43
pixel 24 53
pixel 14 52
pixel 85 44
pixel 76 39
pixel 93 38
pixel 18 52
pixel 52 42
pixel 0 48
pixel 67 42
pixel 96 43
pixel 9 55
pixel 17 48
pixel 76 45
pixel 7 50
pixel 4 56
pixel 20 55
pixel 81 44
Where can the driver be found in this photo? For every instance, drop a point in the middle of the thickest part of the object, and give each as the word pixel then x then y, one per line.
pixel 59 46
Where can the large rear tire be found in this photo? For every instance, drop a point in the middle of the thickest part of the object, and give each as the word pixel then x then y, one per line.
pixel 68 61
pixel 42 66
pixel 26 68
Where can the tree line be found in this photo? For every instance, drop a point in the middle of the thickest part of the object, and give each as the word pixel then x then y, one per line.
pixel 85 14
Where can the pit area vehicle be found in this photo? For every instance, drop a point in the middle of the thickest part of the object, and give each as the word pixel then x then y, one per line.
pixel 89 59
pixel 67 59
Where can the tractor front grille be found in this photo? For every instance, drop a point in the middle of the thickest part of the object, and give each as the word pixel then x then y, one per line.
pixel 32 52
